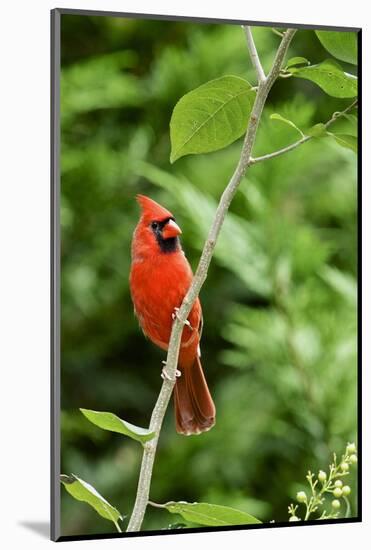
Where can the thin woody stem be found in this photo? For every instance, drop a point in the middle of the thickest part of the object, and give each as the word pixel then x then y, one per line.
pixel 284 150
pixel 159 410
pixel 254 54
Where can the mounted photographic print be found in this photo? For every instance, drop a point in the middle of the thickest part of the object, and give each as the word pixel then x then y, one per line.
pixel 205 200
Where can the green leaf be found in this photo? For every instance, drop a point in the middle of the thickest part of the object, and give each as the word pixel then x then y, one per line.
pixel 81 490
pixel 347 141
pixel 111 422
pixel 276 116
pixel 211 116
pixel 297 61
pixel 329 76
pixel 318 130
pixel 210 514
pixel 342 45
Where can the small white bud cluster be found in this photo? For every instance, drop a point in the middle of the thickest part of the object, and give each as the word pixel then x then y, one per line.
pixel 329 484
pixel 351 448
pixel 340 490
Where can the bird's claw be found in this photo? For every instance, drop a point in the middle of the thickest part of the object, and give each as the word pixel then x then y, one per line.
pixel 175 315
pixel 165 375
pixel 186 322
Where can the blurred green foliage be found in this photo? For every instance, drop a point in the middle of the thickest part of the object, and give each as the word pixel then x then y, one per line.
pixel 279 343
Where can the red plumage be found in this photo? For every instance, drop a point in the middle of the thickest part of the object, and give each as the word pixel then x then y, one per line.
pixel 159 279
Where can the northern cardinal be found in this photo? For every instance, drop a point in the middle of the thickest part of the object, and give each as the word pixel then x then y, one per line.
pixel 159 279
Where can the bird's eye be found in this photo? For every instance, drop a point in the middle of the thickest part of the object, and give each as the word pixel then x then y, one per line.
pixel 154 225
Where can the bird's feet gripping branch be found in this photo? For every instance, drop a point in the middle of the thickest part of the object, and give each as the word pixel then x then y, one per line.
pixel 165 375
pixel 175 315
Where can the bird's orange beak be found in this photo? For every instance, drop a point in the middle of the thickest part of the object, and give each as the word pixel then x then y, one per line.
pixel 170 230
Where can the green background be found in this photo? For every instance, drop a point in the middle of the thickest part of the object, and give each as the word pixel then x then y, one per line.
pixel 279 343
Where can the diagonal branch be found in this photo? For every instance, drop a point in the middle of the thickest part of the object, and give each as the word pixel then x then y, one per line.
pixel 254 54
pixel 296 144
pixel 159 410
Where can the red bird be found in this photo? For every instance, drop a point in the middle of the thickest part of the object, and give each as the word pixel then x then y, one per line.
pixel 159 279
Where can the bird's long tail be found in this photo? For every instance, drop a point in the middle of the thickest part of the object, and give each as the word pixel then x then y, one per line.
pixel 194 407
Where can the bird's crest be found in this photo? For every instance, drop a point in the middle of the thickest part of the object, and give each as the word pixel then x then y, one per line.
pixel 151 210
